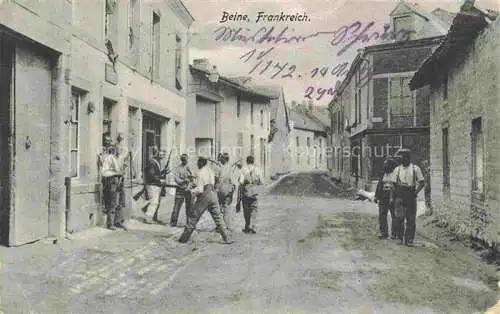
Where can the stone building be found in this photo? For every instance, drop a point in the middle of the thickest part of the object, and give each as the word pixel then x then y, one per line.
pixel 308 138
pixel 78 69
pixel 374 113
pixel 227 115
pixel 463 74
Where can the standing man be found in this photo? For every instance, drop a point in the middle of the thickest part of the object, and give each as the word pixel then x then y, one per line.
pixel 206 199
pixel 409 181
pixel 225 189
pixel 110 173
pixel 183 178
pixel 122 156
pixel 154 179
pixel 250 179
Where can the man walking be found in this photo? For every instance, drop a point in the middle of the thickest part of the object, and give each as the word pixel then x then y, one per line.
pixel 206 199
pixel 183 178
pixel 225 189
pixel 154 181
pixel 250 179
pixel 409 181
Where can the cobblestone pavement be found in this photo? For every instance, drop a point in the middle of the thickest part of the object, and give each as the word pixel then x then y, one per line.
pixel 290 266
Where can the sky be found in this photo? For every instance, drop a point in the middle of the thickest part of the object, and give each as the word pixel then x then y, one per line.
pixel 293 63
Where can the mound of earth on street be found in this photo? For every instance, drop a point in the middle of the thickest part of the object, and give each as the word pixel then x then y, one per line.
pixel 317 184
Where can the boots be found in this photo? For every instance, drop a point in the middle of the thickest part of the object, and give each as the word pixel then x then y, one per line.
pixel 185 235
pixel 110 220
pixel 225 237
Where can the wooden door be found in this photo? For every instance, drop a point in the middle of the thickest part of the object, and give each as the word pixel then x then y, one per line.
pixel 32 101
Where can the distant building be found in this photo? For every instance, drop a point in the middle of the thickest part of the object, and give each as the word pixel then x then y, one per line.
pixel 463 76
pixel 308 139
pixel 79 69
pixel 374 113
pixel 227 115
pixel 279 136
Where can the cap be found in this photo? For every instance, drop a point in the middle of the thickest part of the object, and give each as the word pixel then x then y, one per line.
pixel 404 152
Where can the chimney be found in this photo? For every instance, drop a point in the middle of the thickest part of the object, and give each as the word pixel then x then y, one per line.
pixel 203 64
pixel 311 105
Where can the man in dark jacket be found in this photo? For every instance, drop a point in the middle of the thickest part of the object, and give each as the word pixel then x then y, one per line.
pixel 154 179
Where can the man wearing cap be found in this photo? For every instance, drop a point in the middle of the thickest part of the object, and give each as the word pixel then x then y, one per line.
pixel 110 173
pixel 154 179
pixel 206 199
pixel 183 178
pixel 409 181
pixel 226 182
pixel 250 178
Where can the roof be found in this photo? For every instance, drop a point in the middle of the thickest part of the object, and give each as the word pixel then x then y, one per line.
pixel 237 84
pixel 467 25
pixel 304 119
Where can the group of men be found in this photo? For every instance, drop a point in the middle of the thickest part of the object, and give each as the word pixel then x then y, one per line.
pixel 397 192
pixel 212 188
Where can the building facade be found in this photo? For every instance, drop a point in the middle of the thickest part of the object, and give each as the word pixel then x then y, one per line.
pixel 374 113
pixel 308 140
pixel 463 74
pixel 227 115
pixel 79 69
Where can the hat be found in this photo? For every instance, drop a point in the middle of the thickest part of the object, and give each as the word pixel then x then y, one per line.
pixel 404 152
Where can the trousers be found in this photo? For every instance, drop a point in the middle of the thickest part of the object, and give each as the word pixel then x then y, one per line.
pixel 181 196
pixel 111 195
pixel 406 211
pixel 250 211
pixel 225 200
pixel 152 205
pixel 385 207
pixel 205 201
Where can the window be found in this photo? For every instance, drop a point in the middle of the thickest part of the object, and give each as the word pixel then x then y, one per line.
pixel 401 97
pixel 151 134
pixel 356 102
pixel 445 88
pixel 239 144
pixel 106 119
pixel 238 106
pixel 155 50
pixel 252 145
pixel 178 62
pixel 308 143
pixel 477 155
pixel 262 118
pixel 251 112
pixel 403 23
pixel 446 161
pixel 110 20
pixel 74 145
pixel 134 18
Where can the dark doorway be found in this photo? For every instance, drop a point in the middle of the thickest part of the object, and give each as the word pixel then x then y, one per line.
pixel 6 58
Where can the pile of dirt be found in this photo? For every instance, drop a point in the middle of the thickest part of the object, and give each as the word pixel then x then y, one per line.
pixel 315 184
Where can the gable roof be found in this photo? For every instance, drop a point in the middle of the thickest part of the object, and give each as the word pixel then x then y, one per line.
pixel 304 119
pixel 234 83
pixel 415 8
pixel 467 25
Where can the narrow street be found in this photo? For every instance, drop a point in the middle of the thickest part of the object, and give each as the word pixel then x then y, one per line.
pixel 310 255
